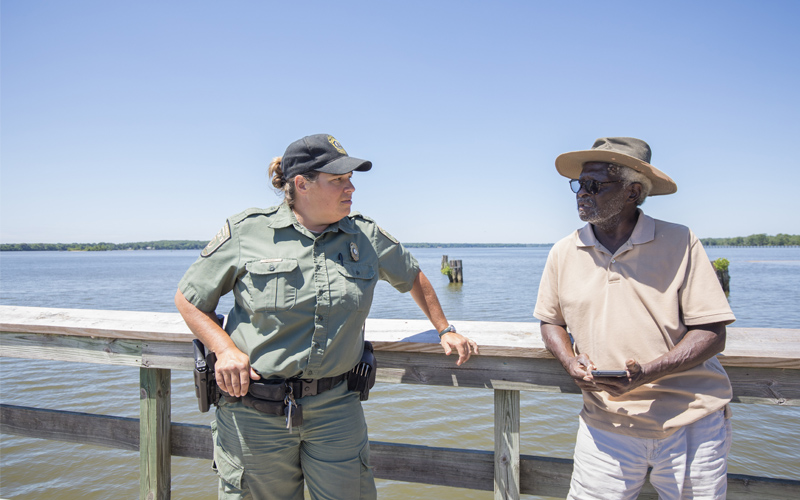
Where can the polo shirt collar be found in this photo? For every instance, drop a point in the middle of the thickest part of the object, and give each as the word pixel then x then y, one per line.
pixel 643 232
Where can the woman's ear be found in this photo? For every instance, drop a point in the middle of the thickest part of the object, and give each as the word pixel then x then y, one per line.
pixel 300 183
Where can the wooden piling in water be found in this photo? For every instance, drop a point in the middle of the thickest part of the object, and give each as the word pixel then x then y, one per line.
pixel 453 270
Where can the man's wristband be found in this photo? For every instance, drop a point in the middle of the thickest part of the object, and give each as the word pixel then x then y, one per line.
pixel 449 329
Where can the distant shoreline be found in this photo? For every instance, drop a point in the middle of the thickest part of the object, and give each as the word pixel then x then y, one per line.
pixel 756 240
pixel 199 245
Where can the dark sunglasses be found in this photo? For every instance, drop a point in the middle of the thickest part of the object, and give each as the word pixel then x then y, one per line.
pixel 590 185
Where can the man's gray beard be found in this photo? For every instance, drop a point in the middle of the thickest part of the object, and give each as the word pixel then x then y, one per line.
pixel 607 217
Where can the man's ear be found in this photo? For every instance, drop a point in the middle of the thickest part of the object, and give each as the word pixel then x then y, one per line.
pixel 635 192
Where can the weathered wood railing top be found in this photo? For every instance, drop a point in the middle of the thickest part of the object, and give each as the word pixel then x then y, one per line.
pixel 746 347
pixel 761 362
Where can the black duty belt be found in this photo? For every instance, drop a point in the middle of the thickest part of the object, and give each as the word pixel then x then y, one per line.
pixel 276 390
pixel 277 397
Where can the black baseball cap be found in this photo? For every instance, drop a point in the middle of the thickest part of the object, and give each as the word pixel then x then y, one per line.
pixel 320 152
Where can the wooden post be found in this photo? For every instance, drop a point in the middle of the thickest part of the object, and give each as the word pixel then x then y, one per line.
pixel 725 280
pixel 154 434
pixel 506 445
pixel 456 273
pixel 447 270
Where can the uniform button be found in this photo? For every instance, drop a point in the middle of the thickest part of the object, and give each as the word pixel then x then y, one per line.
pixel 271 268
pixel 613 261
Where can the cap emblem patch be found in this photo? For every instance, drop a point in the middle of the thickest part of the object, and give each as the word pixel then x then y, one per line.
pixel 336 145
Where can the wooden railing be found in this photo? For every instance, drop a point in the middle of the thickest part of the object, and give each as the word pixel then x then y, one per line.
pixel 763 365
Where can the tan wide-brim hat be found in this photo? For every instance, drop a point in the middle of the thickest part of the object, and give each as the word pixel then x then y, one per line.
pixel 633 153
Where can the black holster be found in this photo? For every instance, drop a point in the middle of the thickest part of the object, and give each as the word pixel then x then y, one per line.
pixel 205 383
pixel 362 377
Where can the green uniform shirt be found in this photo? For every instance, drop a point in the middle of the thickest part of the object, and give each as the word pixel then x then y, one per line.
pixel 301 298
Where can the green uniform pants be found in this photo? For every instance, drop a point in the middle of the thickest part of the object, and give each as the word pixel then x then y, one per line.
pixel 257 458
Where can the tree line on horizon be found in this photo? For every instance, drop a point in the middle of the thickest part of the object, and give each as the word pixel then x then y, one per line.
pixel 754 240
pixel 100 247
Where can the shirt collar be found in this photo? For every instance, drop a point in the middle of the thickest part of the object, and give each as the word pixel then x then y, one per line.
pixel 284 217
pixel 643 232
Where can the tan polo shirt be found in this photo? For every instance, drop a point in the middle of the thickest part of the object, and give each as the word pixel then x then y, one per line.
pixel 638 303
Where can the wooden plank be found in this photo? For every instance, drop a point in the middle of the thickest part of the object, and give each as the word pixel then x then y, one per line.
pixel 754 347
pixel 105 351
pixel 71 427
pixel 765 385
pixel 187 440
pixel 192 440
pixel 751 385
pixel 94 323
pixel 154 435
pixel 762 348
pixel 459 468
pixel 432 465
pixel 758 488
pixel 506 445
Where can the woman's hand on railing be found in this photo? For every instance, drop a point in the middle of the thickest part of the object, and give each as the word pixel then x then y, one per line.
pixel 455 341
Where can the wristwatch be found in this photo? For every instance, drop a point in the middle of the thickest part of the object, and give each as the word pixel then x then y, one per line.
pixel 449 329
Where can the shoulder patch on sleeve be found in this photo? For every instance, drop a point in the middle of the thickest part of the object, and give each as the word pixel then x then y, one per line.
pixel 391 238
pixel 221 237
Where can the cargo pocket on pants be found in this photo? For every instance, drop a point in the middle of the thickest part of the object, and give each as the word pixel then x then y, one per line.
pixel 228 469
pixel 368 491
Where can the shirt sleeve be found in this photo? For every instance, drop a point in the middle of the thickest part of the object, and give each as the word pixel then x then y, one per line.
pixel 213 274
pixel 702 300
pixel 548 305
pixel 397 266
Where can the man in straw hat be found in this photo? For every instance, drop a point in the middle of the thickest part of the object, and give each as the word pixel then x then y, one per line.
pixel 637 296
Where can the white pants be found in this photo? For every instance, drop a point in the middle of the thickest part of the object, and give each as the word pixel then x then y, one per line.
pixel 692 463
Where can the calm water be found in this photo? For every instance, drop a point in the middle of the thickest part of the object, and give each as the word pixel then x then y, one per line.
pixel 501 285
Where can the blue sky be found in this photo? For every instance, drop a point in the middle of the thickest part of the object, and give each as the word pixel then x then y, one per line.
pixel 146 120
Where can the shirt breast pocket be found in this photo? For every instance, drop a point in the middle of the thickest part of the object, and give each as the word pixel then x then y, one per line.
pixel 359 283
pixel 271 284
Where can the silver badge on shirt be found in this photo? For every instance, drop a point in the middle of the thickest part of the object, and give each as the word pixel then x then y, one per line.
pixel 354 251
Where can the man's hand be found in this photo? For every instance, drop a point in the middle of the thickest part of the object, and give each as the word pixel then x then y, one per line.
pixel 617 386
pixel 464 346
pixel 233 371
pixel 580 369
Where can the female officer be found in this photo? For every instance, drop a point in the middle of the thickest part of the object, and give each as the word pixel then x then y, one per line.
pixel 302 275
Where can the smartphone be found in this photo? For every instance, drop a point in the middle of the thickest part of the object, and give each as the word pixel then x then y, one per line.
pixel 609 373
